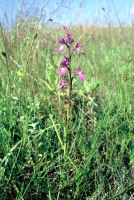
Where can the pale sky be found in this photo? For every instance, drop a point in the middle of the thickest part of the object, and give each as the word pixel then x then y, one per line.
pixel 98 12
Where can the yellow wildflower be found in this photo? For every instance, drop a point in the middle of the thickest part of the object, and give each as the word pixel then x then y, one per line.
pixel 20 73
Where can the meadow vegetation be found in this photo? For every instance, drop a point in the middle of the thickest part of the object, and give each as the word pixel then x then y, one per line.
pixel 46 153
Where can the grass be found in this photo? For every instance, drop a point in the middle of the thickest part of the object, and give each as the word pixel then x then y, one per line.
pixel 43 157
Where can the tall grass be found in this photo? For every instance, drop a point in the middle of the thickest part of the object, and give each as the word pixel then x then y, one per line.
pixel 42 157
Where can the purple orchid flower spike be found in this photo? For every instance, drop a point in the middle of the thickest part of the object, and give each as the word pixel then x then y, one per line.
pixel 65 64
pixel 79 72
pixel 62 84
pixel 78 48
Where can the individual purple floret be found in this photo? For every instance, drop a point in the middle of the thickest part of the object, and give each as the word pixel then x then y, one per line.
pixel 79 72
pixel 63 71
pixel 62 84
pixel 62 42
pixel 66 62
pixel 64 65
pixel 78 48
pixel 69 40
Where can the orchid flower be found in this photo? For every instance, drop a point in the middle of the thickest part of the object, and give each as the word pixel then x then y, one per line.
pixel 78 48
pixel 79 72
pixel 63 71
pixel 62 42
pixel 66 62
pixel 64 65
pixel 62 84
